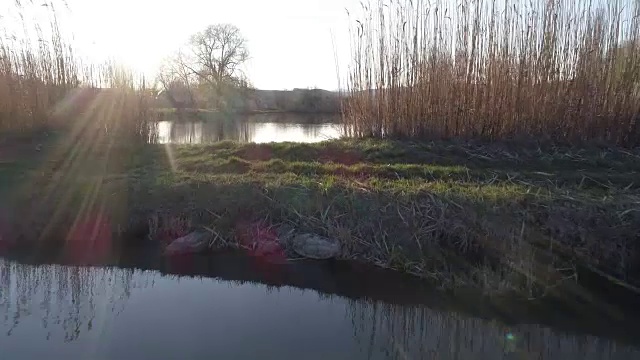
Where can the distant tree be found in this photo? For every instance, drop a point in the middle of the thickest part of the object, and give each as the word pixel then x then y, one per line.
pixel 177 81
pixel 208 66
pixel 218 52
pixel 214 56
pixel 179 95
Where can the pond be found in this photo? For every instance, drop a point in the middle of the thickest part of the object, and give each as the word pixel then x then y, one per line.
pixel 258 128
pixel 230 307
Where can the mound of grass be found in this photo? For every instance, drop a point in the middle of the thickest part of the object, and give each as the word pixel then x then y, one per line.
pixel 488 216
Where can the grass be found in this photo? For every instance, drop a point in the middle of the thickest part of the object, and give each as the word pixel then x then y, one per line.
pixel 495 217
pixel 562 70
pixel 501 215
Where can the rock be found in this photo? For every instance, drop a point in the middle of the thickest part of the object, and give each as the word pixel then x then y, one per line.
pixel 193 243
pixel 315 246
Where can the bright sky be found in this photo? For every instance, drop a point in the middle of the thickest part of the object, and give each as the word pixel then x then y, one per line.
pixel 289 41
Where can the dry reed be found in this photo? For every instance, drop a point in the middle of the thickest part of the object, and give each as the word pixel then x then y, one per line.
pixel 559 70
pixel 43 84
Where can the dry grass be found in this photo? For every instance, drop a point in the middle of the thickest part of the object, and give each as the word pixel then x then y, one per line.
pixel 481 216
pixel 43 85
pixel 559 70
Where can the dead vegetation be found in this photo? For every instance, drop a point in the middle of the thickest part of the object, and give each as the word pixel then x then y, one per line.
pixel 469 216
pixel 499 216
pixel 45 86
pixel 483 216
pixel 560 70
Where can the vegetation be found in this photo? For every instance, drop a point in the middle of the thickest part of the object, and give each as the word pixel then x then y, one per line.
pixel 206 71
pixel 498 217
pixel 301 101
pixel 563 70
pixel 44 86
pixel 493 215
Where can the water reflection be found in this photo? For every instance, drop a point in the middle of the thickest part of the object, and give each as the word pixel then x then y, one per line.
pixel 63 311
pixel 421 333
pixel 65 300
pixel 258 128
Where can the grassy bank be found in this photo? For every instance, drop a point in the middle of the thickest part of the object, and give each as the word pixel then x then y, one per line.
pixel 499 217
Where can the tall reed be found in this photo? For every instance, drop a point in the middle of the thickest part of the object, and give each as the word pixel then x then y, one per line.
pixel 560 70
pixel 43 84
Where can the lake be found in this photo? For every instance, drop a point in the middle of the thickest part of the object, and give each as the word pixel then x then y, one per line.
pixel 234 307
pixel 258 128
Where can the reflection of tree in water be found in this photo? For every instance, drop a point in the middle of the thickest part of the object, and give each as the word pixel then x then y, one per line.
pixel 321 131
pixel 295 118
pixel 295 127
pixel 210 131
pixel 312 131
pixel 186 133
pixel 229 129
pixel 66 297
pixel 217 127
pixel 422 333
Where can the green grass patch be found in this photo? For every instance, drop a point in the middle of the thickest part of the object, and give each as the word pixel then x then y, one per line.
pixel 496 217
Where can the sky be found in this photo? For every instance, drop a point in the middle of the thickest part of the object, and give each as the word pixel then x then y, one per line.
pixel 290 41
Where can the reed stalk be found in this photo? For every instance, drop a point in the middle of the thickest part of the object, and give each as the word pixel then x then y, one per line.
pixel 560 70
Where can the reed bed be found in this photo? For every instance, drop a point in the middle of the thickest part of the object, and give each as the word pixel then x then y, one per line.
pixel 45 85
pixel 565 71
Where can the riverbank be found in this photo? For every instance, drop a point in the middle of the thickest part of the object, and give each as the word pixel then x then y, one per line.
pixel 499 217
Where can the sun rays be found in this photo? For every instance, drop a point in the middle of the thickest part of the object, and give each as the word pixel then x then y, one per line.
pixel 73 180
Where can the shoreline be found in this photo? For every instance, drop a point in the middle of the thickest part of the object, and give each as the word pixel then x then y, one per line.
pixel 487 217
pixel 363 282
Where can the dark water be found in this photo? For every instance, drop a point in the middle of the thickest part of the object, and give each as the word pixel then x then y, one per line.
pixel 260 128
pixel 240 309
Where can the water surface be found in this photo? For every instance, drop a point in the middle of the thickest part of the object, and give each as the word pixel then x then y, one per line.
pixel 259 128
pixel 64 312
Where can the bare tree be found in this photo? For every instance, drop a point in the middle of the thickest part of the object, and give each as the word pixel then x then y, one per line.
pixel 216 54
pixel 173 69
pixel 209 65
